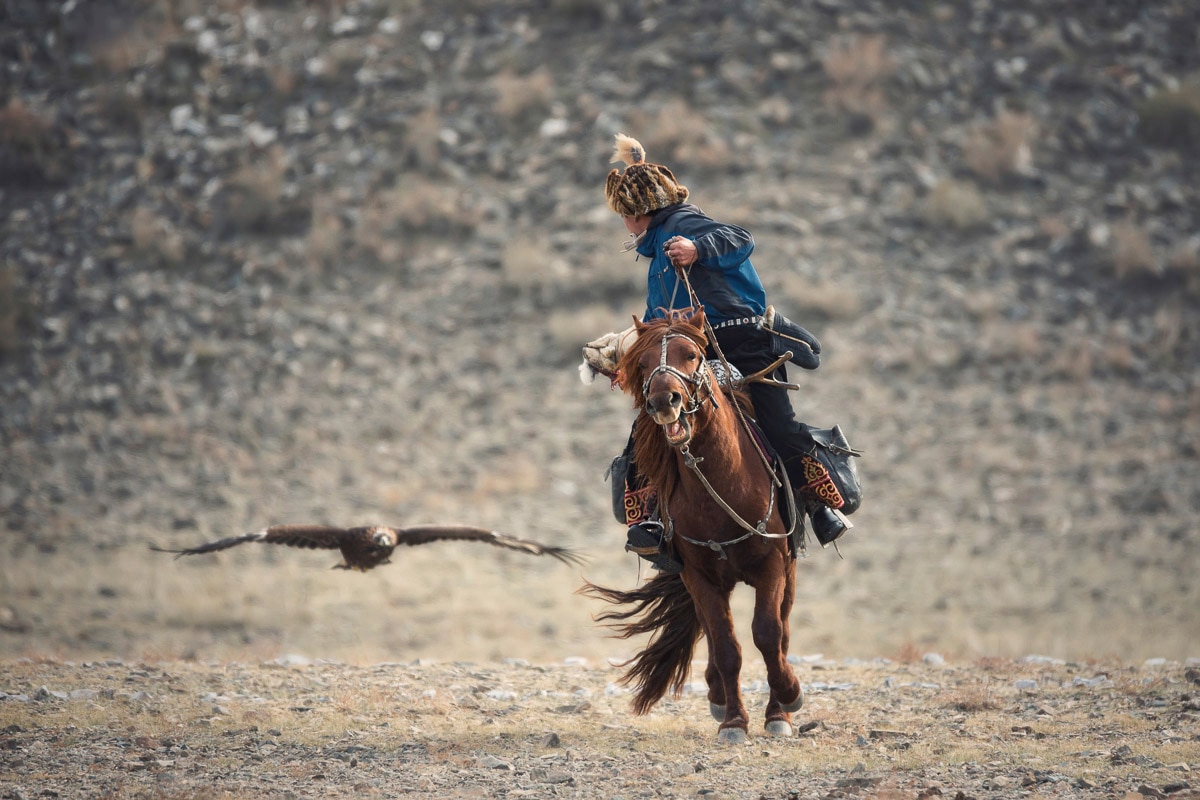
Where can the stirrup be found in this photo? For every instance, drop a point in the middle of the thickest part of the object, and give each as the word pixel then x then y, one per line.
pixel 644 538
pixel 829 525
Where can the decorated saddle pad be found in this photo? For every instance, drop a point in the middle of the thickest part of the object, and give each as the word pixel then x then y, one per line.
pixel 717 368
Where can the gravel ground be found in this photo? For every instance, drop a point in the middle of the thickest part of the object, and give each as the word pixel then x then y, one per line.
pixel 1033 727
pixel 334 262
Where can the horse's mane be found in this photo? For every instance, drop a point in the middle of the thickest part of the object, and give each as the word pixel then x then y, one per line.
pixel 654 458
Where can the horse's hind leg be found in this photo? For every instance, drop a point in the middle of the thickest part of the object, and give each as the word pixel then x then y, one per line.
pixel 772 606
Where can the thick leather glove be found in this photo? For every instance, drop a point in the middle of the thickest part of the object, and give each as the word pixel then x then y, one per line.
pixel 788 336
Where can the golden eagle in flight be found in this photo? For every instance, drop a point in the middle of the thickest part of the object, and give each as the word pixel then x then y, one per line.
pixel 367 547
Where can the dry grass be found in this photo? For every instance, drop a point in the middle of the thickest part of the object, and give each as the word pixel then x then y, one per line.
pixel 958 205
pixel 820 300
pixel 1132 252
pixel 527 262
pixel 932 729
pixel 254 193
pixel 417 207
pixel 15 311
pixel 678 135
pixel 32 149
pixel 422 146
pixel 1171 118
pixel 1002 148
pixel 156 238
pixel 858 66
pixel 517 96
pixel 142 42
pixel 1184 261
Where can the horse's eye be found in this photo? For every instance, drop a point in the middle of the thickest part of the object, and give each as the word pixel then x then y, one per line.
pixel 691 356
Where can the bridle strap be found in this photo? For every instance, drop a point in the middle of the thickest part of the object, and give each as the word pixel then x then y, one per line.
pixel 701 378
pixel 682 274
pixel 693 463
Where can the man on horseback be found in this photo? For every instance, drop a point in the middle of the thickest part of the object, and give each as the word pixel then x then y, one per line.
pixel 695 260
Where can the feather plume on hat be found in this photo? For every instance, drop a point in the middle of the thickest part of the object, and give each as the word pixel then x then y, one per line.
pixel 628 150
pixel 643 188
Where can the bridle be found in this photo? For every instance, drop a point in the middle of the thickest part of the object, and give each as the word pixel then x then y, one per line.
pixel 702 378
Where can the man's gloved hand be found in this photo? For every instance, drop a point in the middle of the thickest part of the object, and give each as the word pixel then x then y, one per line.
pixel 600 356
pixel 806 349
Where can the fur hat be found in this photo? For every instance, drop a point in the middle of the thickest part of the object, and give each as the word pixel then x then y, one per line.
pixel 643 188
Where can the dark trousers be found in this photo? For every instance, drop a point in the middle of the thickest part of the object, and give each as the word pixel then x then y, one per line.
pixel 748 349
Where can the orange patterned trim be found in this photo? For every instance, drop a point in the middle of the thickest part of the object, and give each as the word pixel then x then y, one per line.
pixel 818 484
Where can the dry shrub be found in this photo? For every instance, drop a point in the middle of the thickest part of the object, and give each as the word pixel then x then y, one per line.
pixel 1006 340
pixel 955 204
pixel 1001 149
pixel 324 244
pixel 422 148
pixel 679 134
pixel 857 67
pixel 123 105
pixel 909 653
pixel 824 301
pixel 32 150
pixel 1168 328
pixel 971 698
pixel 517 95
pixel 284 79
pixel 418 207
pixel 1171 118
pixel 14 311
pixel 1184 261
pixel 254 197
pixel 155 237
pixel 142 42
pixel 1132 253
pixel 514 473
pixel 528 262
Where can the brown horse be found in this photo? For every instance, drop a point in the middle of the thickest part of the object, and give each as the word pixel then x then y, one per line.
pixel 720 499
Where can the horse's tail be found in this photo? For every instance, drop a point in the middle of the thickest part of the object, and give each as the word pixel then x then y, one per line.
pixel 663 608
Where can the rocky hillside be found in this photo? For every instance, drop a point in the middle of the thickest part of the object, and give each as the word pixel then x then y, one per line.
pixel 287 261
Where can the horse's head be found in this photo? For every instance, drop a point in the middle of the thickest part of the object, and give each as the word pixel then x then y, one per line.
pixel 666 373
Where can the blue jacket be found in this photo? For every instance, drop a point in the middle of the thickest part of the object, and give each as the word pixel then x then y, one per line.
pixel 725 281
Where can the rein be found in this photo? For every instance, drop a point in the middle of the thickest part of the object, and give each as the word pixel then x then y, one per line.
pixel 682 275
pixel 693 463
pixel 702 378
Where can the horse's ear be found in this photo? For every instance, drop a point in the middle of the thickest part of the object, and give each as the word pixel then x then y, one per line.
pixel 697 318
pixel 639 325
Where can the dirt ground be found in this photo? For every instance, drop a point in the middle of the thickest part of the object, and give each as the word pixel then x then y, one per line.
pixel 334 263
pixel 288 728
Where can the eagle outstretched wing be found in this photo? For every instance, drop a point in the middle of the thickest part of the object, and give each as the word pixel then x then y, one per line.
pixel 421 534
pixel 367 547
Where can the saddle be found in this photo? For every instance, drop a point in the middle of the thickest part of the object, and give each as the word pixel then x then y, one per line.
pixel 834 453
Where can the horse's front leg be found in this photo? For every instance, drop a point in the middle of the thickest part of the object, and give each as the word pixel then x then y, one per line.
pixel 712 677
pixel 724 658
pixel 774 593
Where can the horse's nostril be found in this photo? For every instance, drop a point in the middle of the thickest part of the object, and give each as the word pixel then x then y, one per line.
pixel 676 399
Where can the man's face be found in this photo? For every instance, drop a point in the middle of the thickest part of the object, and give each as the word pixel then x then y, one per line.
pixel 636 224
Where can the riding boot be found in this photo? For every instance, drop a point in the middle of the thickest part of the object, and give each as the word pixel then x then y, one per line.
pixel 828 524
pixel 646 539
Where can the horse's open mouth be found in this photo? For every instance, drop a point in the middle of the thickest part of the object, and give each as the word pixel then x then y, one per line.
pixel 679 432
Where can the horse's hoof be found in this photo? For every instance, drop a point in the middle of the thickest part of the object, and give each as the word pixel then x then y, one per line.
pixel 779 727
pixel 731 736
pixel 795 705
pixel 718 712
